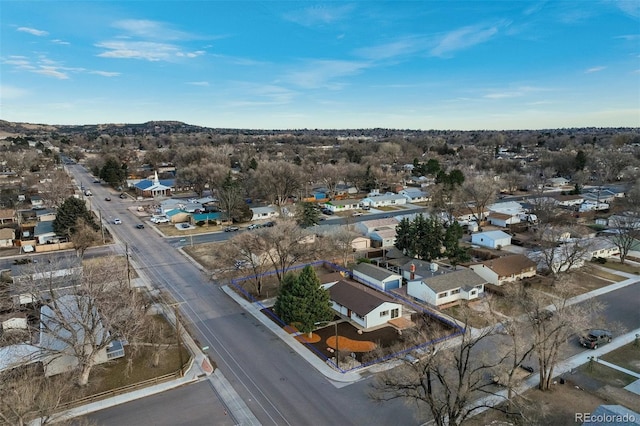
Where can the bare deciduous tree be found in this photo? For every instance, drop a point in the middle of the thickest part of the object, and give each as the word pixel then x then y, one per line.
pixel 447 382
pixel 84 236
pixel 27 396
pixel 83 312
pixel 278 180
pixel 553 320
pixel 478 192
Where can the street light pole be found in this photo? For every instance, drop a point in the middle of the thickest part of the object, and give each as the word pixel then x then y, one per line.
pixel 337 350
pixel 335 324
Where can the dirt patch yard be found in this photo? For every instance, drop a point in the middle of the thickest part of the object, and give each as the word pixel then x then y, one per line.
pixel 584 389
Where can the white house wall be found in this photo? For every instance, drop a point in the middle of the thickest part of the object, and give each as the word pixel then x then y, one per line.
pixel 373 318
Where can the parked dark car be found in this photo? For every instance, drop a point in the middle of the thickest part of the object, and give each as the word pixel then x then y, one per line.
pixel 107 198
pixel 593 338
pixel 231 229
pixel 123 195
pixel 140 226
pixel 269 224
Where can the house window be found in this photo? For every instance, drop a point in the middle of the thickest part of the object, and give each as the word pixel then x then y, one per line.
pixel 395 313
pixel 442 295
pixel 384 313
pixel 456 291
pixel 479 286
pixel 473 293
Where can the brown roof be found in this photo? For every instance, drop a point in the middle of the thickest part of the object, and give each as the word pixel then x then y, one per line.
pixel 6 233
pixel 500 215
pixel 7 213
pixel 509 265
pixel 360 298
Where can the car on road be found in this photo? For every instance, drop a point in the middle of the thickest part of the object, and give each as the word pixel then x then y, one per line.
pixel 269 224
pixel 254 226
pixel 117 221
pixel 595 337
pixel 356 214
pixel 140 226
pixel 107 198
pixel 159 219
pixel 231 229
pixel 96 181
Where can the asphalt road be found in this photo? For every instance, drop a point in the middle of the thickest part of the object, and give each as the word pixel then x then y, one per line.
pixel 189 405
pixel 278 385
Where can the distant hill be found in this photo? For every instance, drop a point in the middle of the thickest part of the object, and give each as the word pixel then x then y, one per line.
pixel 155 128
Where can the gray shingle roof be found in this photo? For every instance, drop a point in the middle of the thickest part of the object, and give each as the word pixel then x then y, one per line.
pixel 465 278
pixel 375 272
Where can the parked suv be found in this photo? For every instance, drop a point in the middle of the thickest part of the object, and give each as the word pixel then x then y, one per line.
pixel 593 338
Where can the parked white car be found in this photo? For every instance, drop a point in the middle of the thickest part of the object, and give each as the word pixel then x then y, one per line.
pixel 160 219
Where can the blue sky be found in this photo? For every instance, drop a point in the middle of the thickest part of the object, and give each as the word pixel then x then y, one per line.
pixel 298 64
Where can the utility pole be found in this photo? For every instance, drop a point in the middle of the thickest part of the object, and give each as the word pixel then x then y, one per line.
pixel 126 250
pixel 176 314
pixel 101 226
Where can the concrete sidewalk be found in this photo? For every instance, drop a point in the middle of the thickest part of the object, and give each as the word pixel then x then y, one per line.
pixel 562 368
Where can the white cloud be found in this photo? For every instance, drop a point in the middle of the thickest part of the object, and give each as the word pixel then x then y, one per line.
pixel 62 42
pixel 199 83
pixel 106 73
pixel 515 92
pixel 463 38
pixel 19 62
pixel 319 15
pixel 390 50
pixel 33 31
pixel 150 29
pixel 594 69
pixel 629 7
pixel 145 50
pixel 321 73
pixel 52 72
pixel 11 92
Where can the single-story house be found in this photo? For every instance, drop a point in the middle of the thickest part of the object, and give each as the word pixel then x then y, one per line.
pixel 389 199
pixel 30 279
pixel 507 207
pixel 562 258
pixel 13 356
pixel 491 239
pixel 7 235
pixel 385 237
pixel 45 215
pixel 502 220
pixel 463 284
pixel 7 216
pixel 154 187
pixel 415 195
pixel 178 216
pixel 416 269
pixel 360 243
pixel 570 200
pixel 37 202
pixel 58 355
pixel 362 304
pixel 44 232
pixel 342 205
pixel 603 247
pixel 505 269
pixel 267 212
pixel 366 227
pixel 376 276
pixel 558 182
pixel 171 204
pixel 13 321
pixel 602 196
